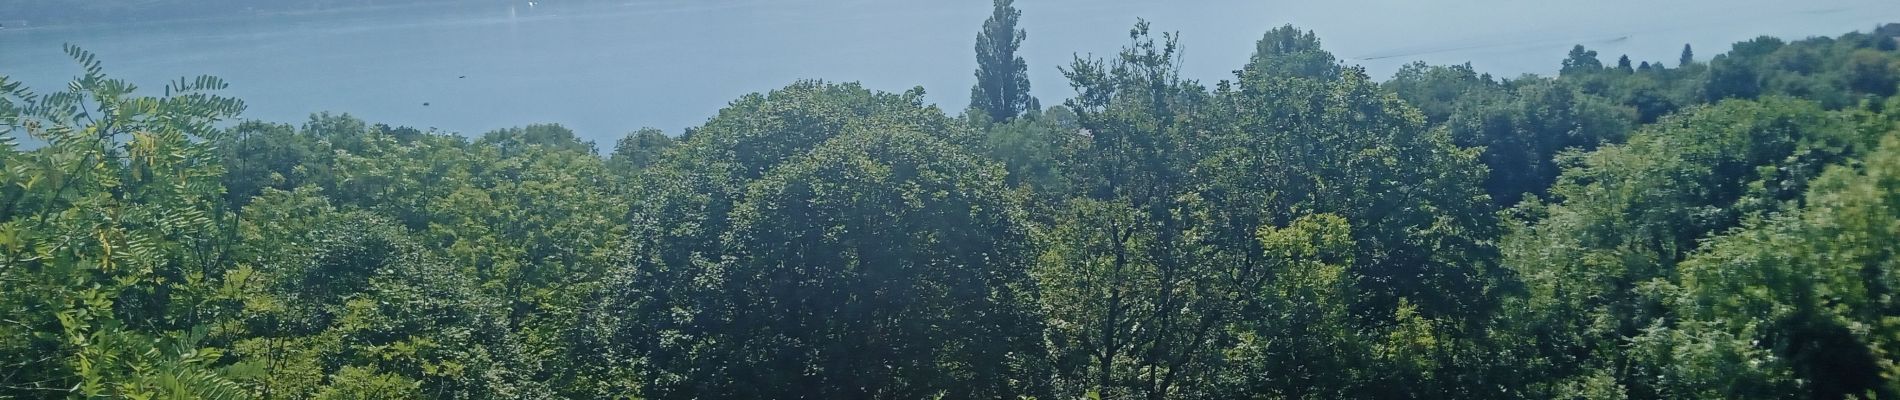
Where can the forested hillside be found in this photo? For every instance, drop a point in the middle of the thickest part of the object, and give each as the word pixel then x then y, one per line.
pixel 1707 227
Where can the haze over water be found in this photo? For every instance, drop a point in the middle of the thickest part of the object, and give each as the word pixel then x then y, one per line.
pixel 605 69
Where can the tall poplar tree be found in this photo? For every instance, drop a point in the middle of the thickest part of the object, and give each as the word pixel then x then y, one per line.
pixel 1002 77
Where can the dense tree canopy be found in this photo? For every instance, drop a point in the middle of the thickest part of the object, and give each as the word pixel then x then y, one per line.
pixel 1719 229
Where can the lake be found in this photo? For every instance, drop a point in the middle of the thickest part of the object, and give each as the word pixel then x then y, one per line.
pixel 607 68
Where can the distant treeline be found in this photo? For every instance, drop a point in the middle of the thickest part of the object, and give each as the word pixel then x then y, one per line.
pixel 41 13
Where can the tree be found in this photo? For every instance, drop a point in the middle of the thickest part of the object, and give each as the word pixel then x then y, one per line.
pixel 1002 77
pixel 639 149
pixel 1594 264
pixel 1153 272
pixel 1439 91
pixel 1688 57
pixel 1581 61
pixel 1031 146
pixel 1731 76
pixel 1319 147
pixel 1119 241
pixel 111 233
pixel 1872 72
pixel 339 294
pixel 1522 132
pixel 1287 51
pixel 1793 301
pixel 521 222
pixel 807 233
pixel 1299 340
pixel 515 141
pixel 260 155
pixel 1722 230
pixel 883 248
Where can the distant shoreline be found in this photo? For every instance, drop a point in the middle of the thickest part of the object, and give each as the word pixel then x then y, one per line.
pixel 240 15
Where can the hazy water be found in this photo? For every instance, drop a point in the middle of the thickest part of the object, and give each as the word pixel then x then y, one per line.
pixel 606 69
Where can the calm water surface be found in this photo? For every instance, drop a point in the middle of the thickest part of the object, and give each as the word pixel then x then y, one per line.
pixel 608 68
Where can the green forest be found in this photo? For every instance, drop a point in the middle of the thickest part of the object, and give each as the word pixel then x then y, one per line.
pixel 1706 227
